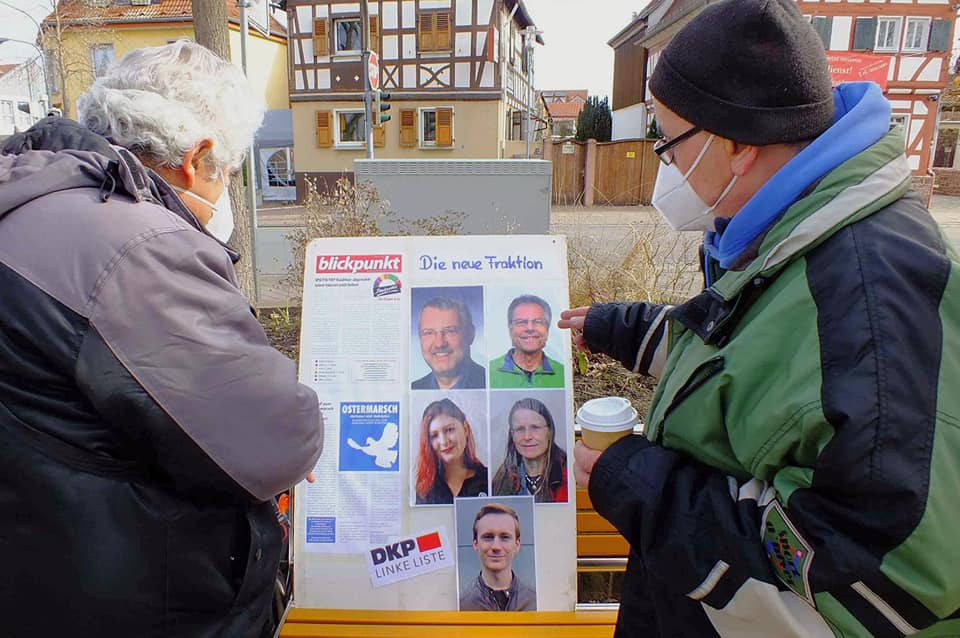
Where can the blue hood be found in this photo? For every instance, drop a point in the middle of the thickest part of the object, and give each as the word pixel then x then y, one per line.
pixel 861 118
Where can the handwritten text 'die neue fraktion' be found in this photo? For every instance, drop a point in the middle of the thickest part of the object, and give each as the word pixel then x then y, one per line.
pixel 486 262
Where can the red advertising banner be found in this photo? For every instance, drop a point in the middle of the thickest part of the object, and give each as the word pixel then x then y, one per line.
pixel 858 67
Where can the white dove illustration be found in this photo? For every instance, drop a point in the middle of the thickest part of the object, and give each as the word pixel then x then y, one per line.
pixel 385 457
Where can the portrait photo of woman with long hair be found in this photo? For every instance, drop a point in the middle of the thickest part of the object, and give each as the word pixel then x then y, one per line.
pixel 534 464
pixel 447 464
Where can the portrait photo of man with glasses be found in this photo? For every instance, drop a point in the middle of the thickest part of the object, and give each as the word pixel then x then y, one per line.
pixel 525 364
pixel 446 331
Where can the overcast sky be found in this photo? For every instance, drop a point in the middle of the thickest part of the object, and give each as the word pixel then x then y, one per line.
pixel 576 55
pixel 15 25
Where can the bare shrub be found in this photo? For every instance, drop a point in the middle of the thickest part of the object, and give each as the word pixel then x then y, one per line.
pixel 648 262
pixel 353 210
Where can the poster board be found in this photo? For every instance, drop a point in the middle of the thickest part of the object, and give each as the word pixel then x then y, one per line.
pixel 374 311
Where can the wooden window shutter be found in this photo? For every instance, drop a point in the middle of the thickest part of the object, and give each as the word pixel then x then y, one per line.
pixel 324 129
pixel 444 127
pixel 380 136
pixel 442 31
pixel 375 33
pixel 824 28
pixel 940 35
pixel 427 36
pixel 865 34
pixel 408 127
pixel 321 38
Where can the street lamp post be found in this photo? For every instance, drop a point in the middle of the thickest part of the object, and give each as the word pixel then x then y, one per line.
pixel 251 193
pixel 43 57
pixel 43 68
pixel 529 38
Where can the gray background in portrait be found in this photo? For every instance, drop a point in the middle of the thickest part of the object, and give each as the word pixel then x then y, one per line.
pixel 500 403
pixel 498 299
pixel 473 403
pixel 470 295
pixel 468 563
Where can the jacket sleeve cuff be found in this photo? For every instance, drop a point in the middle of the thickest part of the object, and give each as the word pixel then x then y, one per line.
pixel 597 327
pixel 608 468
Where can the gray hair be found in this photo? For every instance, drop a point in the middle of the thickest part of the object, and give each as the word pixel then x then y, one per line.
pixel 524 300
pixel 159 102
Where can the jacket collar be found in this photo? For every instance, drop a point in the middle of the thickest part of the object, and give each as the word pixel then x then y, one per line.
pixel 59 154
pixel 856 189
pixel 861 119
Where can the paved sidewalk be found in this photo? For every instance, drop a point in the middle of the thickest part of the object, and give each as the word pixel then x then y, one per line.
pixel 599 224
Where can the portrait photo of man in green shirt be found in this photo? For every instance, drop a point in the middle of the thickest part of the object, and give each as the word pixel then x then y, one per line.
pixel 525 364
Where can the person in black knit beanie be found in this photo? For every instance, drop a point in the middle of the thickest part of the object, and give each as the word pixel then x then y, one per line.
pixel 762 79
pixel 792 475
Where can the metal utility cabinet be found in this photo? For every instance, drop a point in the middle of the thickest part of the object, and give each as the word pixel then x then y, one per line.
pixel 496 196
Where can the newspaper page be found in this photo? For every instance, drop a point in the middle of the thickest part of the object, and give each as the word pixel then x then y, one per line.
pixel 353 325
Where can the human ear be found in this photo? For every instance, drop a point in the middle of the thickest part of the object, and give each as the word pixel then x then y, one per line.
pixel 742 156
pixel 194 160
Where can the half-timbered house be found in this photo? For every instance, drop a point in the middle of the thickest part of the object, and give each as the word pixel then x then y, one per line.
pixel 455 70
pixel 903 45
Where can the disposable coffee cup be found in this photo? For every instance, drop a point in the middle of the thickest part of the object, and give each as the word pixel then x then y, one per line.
pixel 605 421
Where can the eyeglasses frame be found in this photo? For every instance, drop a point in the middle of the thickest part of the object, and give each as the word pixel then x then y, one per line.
pixel 662 145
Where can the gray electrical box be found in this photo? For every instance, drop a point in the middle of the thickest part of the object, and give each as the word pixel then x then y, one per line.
pixel 495 196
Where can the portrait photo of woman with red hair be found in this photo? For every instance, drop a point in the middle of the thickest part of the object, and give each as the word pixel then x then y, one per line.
pixel 447 462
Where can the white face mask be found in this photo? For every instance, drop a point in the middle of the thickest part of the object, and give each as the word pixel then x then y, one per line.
pixel 679 203
pixel 220 224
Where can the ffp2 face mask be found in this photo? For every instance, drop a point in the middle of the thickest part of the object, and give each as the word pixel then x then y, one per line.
pixel 220 224
pixel 678 203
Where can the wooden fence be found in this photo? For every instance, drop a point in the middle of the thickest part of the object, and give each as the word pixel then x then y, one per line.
pixel 588 173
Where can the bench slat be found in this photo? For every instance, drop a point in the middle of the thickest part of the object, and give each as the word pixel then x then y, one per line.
pixel 439 617
pixel 446 631
pixel 353 623
pixel 583 500
pixel 588 522
pixel 596 545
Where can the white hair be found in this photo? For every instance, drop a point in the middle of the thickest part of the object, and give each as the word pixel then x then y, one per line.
pixel 159 102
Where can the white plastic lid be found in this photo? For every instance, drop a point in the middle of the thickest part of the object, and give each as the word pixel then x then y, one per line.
pixel 610 414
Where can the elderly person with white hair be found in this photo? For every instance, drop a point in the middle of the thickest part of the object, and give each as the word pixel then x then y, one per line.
pixel 145 422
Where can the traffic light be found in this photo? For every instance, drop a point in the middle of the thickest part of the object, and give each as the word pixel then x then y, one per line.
pixel 380 107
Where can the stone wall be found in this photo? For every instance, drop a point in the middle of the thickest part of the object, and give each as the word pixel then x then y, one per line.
pixel 923 184
pixel 947 181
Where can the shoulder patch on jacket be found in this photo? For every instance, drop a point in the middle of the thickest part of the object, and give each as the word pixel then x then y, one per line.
pixel 787 551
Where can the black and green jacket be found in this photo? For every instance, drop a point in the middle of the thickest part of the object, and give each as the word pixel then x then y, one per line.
pixel 800 471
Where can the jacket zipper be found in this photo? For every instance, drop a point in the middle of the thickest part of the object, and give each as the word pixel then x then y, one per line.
pixel 704 372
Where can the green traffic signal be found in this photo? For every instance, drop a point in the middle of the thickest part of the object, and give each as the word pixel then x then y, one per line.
pixel 380 106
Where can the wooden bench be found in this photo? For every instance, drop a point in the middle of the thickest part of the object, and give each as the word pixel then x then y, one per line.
pixel 599 548
pixel 349 623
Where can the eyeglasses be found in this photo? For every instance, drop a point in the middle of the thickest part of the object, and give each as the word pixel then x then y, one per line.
pixel 429 333
pixel 521 430
pixel 523 323
pixel 663 146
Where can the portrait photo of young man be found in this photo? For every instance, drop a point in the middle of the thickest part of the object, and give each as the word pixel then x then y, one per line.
pixel 491 544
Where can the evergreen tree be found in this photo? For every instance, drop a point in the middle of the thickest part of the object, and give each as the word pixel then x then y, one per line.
pixel 653 131
pixel 585 121
pixel 595 120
